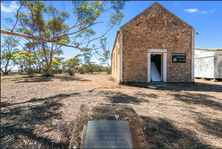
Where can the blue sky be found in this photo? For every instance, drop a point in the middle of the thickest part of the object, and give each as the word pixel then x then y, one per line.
pixel 204 16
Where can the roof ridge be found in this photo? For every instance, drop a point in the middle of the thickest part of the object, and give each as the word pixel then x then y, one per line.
pixel 160 6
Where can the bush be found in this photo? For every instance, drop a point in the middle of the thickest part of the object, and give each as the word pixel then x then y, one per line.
pixel 30 71
pixel 81 70
pixel 71 71
pixel 107 70
pixel 59 71
pixel 47 74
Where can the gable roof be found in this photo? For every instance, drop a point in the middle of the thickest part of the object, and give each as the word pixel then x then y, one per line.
pixel 156 3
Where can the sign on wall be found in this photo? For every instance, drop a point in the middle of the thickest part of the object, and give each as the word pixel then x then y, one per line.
pixel 179 57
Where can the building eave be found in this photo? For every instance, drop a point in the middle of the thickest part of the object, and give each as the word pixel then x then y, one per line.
pixel 114 42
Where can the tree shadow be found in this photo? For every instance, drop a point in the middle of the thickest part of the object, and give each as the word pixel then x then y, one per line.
pixel 211 125
pixel 118 97
pixel 24 121
pixel 160 133
pixel 32 80
pixel 199 99
pixel 59 96
pixel 197 86
pixel 70 78
pixel 47 79
pixel 147 95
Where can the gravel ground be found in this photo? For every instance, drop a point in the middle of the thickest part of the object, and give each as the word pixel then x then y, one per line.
pixel 40 112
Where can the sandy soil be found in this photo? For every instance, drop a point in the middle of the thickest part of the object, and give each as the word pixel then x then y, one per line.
pixel 40 112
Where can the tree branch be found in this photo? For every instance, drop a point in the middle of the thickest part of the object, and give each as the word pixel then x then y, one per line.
pixel 17 16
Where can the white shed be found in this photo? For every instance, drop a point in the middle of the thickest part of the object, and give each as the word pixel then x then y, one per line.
pixel 208 63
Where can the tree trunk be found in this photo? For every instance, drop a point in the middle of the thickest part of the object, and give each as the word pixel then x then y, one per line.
pixel 6 67
pixel 21 68
pixel 50 62
pixel 49 69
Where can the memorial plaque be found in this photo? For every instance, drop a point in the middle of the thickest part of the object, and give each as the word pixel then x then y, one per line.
pixel 108 134
pixel 179 57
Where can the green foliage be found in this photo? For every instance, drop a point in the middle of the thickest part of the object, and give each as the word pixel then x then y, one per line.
pixel 104 56
pixel 107 70
pixel 81 70
pixel 45 101
pixel 70 64
pixel 32 23
pixel 8 48
pixel 30 70
pixel 34 99
pixel 47 74
pixel 152 127
pixel 71 71
pixel 58 71
pixel 46 22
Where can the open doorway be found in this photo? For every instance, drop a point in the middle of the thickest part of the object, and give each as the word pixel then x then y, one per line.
pixel 156 67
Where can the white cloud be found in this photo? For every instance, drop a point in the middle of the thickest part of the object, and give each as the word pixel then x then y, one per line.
pixel 203 12
pixel 12 7
pixel 213 10
pixel 191 10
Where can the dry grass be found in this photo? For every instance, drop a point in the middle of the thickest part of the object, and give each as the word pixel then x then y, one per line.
pixel 40 112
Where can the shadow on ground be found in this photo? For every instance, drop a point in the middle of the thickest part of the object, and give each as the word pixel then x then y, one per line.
pixel 118 97
pixel 24 123
pixel 211 125
pixel 160 133
pixel 197 86
pixel 199 99
pixel 47 79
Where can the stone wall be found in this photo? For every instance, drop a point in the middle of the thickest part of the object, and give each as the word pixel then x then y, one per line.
pixel 156 28
pixel 115 60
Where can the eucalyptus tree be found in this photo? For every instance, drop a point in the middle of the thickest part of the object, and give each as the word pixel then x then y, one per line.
pixel 8 49
pixel 22 59
pixel 33 24
pixel 40 32
pixel 105 55
pixel 71 64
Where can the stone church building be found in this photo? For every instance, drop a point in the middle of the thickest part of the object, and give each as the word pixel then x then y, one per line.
pixel 155 45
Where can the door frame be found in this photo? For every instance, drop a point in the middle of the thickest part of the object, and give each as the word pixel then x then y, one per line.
pixel 162 52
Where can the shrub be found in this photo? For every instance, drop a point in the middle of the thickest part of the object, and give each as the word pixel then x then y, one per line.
pixel 30 71
pixel 107 70
pixel 58 71
pixel 152 127
pixel 71 71
pixel 81 70
pixel 47 74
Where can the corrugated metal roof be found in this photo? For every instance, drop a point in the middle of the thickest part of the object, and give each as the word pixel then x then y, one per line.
pixel 209 49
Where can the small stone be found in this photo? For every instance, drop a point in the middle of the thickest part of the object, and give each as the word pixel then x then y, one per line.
pixel 74 147
pixel 116 116
pixel 79 116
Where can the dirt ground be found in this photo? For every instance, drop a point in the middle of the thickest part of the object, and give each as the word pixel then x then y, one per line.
pixel 40 112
